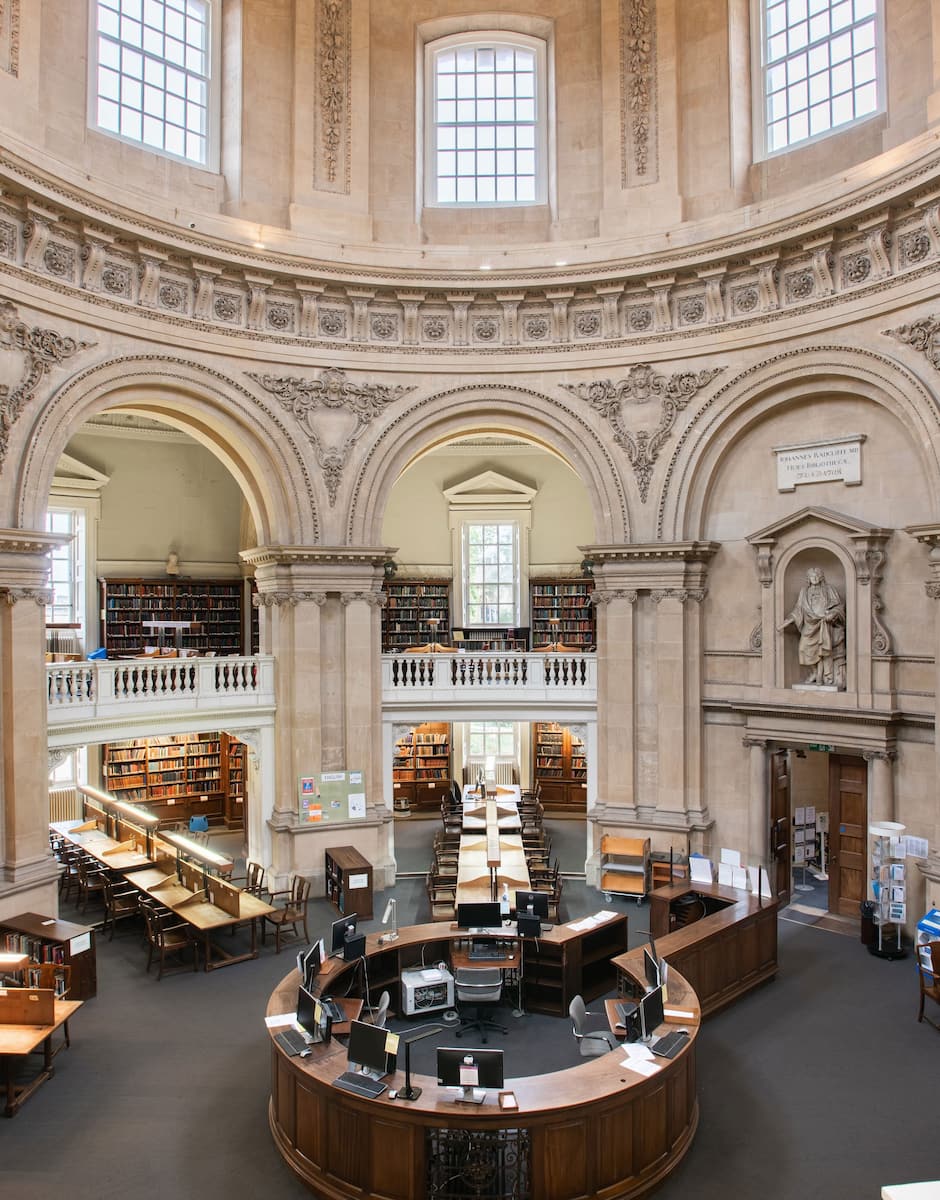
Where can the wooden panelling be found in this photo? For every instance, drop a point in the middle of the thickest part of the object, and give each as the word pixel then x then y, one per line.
pixel 560 1166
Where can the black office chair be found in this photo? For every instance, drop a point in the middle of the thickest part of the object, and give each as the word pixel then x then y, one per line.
pixel 479 987
pixel 591 1030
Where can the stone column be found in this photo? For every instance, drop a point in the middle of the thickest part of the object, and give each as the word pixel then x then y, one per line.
pixel 28 873
pixel 929 535
pixel 758 818
pixel 616 767
pixel 880 784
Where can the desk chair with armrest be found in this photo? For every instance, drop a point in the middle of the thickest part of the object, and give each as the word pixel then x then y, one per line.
pixel 290 911
pixel 478 988
pixel 252 881
pixel 120 900
pixel 58 978
pixel 168 937
pixel 591 1030
pixel 379 1015
pixel 929 971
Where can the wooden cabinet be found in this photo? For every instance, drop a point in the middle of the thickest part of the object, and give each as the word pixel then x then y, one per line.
pixel 46 940
pixel 181 776
pixel 421 771
pixel 349 881
pixel 214 609
pixel 411 605
pixel 559 766
pixel 561 611
pixel 565 963
pixel 625 866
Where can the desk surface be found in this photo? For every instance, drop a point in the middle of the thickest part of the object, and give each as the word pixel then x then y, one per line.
pixel 23 1039
pixel 101 847
pixel 199 913
pixel 473 874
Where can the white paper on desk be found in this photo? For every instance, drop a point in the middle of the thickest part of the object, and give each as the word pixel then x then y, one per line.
pixel 731 857
pixel 739 878
pixel 604 915
pixel 641 1066
pixel 724 873
pixel 280 1019
pixel 700 869
pixel 638 1051
pixel 580 926
pixel 764 881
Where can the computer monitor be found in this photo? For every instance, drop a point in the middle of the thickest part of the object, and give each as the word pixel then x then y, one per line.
pixel 473 1071
pixel 313 1017
pixel 339 931
pixel 652 969
pixel 528 926
pixel 367 1049
pixel 481 915
pixel 651 1013
pixel 533 903
pixel 309 962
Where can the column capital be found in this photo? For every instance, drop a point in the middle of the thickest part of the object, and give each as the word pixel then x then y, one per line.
pixel 887 756
pixel 755 743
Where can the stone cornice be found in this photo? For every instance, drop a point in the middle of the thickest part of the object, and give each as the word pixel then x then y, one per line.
pixel 318 555
pixel 29 541
pixel 646 552
pixel 51 232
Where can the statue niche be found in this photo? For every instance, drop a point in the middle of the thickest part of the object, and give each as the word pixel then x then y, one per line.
pixel 819 617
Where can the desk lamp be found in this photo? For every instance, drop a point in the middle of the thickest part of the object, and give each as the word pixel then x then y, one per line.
pixel 390 914
pixel 415 1035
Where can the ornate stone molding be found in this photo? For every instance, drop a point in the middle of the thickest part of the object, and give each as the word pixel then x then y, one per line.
pixel 638 91
pixel 373 599
pixel 681 594
pixel 932 590
pixel 291 599
pixel 342 556
pixel 922 335
pixel 888 756
pixel 42 349
pixel 752 743
pixel 332 391
pixel 10 36
pixel 628 594
pixel 40 596
pixel 614 401
pixel 332 110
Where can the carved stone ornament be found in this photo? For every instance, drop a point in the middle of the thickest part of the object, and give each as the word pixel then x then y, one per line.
pixel 42 349
pixel 10 36
pixel 40 596
pixel 291 599
pixel 615 400
pixel 637 85
pixel 922 335
pixel 373 599
pixel 332 390
pixel 333 95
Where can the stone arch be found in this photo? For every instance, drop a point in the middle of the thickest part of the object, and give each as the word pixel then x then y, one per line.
pixel 493 407
pixel 233 424
pixel 797 375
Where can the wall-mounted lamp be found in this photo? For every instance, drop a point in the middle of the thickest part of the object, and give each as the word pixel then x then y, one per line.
pixel 390 914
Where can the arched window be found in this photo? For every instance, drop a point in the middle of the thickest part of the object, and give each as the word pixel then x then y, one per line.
pixel 151 64
pixel 821 67
pixel 485 120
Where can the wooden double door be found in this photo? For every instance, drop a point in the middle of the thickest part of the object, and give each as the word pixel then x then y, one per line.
pixel 848 823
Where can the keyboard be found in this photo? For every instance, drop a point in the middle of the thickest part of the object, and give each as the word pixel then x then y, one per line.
pixel 669 1045
pixel 488 952
pixel 292 1042
pixel 332 1010
pixel 360 1085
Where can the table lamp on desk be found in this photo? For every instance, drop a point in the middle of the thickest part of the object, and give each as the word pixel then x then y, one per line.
pixel 390 914
pixel 415 1035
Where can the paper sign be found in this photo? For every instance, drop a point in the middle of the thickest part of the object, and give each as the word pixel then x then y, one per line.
pixel 810 814
pixel 724 873
pixel 353 882
pixel 731 857
pixel 799 854
pixel 357 804
pixel 799 816
pixel 739 878
pixel 391 1043
pixel 700 869
pixel 80 943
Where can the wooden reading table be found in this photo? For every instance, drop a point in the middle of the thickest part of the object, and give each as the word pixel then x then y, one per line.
pixel 112 855
pixel 22 1031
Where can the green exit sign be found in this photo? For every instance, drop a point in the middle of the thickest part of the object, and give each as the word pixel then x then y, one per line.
pixel 823 746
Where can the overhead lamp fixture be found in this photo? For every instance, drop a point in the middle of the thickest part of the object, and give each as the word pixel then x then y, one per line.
pixel 390 914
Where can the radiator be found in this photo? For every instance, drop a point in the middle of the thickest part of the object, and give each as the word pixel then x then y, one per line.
pixel 64 804
pixel 506 773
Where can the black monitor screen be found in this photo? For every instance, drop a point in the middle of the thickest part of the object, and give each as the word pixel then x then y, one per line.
pixel 651 1011
pixel 469 1068
pixel 339 930
pixel 367 1047
pixel 652 969
pixel 483 915
pixel 312 1016
pixel 535 903
pixel 309 962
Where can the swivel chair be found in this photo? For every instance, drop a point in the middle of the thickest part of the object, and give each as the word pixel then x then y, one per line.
pixel 479 987
pixel 590 1030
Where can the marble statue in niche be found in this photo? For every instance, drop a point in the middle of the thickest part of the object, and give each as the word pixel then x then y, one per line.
pixel 819 617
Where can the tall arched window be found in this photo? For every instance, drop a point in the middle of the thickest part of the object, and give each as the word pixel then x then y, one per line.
pixel 821 67
pixel 485 120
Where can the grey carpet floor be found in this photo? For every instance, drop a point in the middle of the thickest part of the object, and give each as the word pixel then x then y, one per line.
pixel 816 1085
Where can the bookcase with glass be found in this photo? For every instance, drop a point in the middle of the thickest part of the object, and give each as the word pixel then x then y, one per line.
pixel 562 613
pixel 421 771
pixel 181 776
pixel 416 612
pixel 560 766
pixel 192 616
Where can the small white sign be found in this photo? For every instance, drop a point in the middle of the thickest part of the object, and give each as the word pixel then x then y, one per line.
pixel 355 882
pixel 819 462
pixel 80 943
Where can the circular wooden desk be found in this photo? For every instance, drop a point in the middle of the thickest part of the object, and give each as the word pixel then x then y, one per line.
pixel 597 1129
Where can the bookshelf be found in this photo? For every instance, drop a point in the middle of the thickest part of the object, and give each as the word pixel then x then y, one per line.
pixel 349 881
pixel 410 606
pixel 504 639
pixel 561 611
pixel 559 766
pixel 180 776
pixel 625 866
pixel 47 940
pixel 215 607
pixel 421 772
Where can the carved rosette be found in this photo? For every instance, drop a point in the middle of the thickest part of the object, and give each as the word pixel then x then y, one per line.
pixel 332 391
pixel 42 349
pixel 613 400
pixel 332 111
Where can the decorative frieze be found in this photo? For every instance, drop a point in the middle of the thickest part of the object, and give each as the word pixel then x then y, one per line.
pixel 333 96
pixel 617 402
pixel 10 36
pixel 42 349
pixel 332 390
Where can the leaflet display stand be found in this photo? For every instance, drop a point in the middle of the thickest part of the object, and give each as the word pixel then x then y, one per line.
pixel 888 887
pixel 804 844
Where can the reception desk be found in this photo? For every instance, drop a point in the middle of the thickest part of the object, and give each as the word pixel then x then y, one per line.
pixel 595 1130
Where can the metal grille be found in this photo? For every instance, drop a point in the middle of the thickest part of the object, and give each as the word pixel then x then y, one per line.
pixel 479 1164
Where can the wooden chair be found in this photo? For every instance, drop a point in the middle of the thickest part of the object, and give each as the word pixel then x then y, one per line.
pixel 57 977
pixel 91 880
pixel 292 911
pixel 68 880
pixel 928 968
pixel 441 898
pixel 120 900
pixel 168 937
pixel 253 879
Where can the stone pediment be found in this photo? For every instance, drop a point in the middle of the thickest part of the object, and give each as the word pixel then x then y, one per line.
pixel 72 475
pixel 489 488
pixel 847 526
